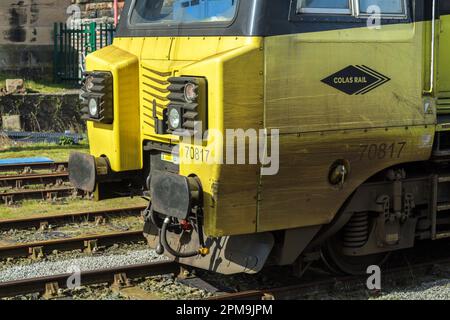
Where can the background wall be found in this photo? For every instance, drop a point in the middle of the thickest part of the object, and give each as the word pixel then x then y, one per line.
pixel 92 9
pixel 26 32
pixel 45 112
pixel 26 29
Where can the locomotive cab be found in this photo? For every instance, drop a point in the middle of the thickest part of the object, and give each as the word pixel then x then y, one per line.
pixel 273 132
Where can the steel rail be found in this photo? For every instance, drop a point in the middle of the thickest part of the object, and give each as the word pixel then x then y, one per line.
pixel 39 285
pixel 110 276
pixel 295 291
pixel 40 248
pixel 64 218
pixel 43 194
pixel 21 167
pixel 18 181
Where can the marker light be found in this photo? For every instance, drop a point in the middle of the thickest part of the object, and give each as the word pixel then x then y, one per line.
pixel 190 92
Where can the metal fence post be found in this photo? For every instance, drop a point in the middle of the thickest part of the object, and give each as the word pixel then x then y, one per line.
pixel 55 52
pixel 93 36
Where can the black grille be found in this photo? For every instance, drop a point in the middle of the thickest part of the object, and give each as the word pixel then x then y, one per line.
pixel 102 91
pixel 191 111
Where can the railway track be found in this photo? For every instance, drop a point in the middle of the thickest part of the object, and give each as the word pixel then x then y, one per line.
pixel 121 276
pixel 331 283
pixel 118 276
pixel 10 196
pixel 22 180
pixel 86 242
pixel 45 221
pixel 28 168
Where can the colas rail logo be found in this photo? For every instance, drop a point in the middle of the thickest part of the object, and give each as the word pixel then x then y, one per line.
pixel 354 80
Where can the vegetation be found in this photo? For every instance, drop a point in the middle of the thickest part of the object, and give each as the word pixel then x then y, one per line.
pixel 42 86
pixel 52 151
pixel 66 141
pixel 38 207
pixel 29 208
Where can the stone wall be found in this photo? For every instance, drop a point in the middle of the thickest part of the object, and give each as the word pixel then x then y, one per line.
pixel 26 50
pixel 45 112
pixel 93 9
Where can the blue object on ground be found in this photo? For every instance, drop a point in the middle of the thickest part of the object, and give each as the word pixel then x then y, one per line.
pixel 4 162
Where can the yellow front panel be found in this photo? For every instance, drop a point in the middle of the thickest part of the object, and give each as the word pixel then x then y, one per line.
pixel 154 83
pixel 235 98
pixel 229 64
pixel 120 141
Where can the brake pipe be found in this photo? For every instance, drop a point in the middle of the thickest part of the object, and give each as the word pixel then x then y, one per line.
pixel 165 243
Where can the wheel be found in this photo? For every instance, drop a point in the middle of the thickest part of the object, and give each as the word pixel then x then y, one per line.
pixel 339 263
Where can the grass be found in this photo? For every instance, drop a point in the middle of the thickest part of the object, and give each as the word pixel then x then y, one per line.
pixel 41 86
pixel 29 208
pixel 52 151
pixel 46 87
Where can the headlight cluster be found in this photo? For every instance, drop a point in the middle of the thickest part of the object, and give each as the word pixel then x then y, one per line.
pixel 187 108
pixel 97 97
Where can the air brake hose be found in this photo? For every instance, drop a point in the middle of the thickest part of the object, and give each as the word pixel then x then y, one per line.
pixel 163 238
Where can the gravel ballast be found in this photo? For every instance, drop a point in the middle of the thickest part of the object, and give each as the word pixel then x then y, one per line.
pixel 433 290
pixel 48 268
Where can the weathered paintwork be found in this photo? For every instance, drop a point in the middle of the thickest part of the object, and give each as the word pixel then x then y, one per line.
pixel 231 65
pixel 320 124
pixel 275 83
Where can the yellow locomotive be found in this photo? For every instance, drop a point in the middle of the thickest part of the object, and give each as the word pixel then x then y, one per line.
pixel 348 100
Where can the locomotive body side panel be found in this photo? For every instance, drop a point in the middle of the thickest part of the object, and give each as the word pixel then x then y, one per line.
pixel 353 95
pixel 360 112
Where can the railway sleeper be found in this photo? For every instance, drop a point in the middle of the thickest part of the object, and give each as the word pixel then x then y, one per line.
pixel 36 253
pixel 100 220
pixel 19 184
pixel 51 290
pixel 268 296
pixel 186 273
pixel 61 168
pixel 121 281
pixel 91 246
pixel 8 200
pixel 51 196
pixel 27 170
pixel 43 225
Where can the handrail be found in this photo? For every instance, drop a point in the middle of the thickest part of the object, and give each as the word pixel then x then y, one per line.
pixel 433 47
